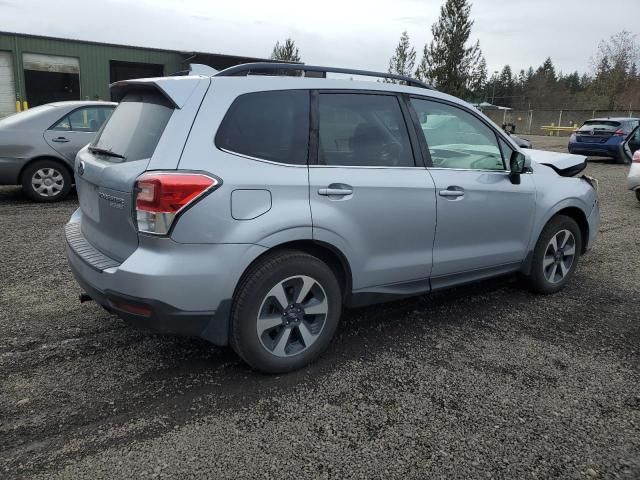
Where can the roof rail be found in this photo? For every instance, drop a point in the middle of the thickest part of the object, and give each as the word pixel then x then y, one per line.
pixel 264 68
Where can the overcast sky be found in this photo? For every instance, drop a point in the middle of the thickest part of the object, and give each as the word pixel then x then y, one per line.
pixel 348 33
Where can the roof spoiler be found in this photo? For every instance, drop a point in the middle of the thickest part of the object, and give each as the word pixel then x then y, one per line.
pixel 175 89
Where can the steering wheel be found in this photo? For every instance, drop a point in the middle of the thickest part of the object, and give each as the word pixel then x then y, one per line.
pixel 481 163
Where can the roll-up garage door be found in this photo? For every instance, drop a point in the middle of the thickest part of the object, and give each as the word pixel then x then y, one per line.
pixel 51 78
pixel 7 85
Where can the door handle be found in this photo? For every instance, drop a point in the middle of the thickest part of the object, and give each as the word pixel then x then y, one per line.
pixel 60 140
pixel 336 189
pixel 452 192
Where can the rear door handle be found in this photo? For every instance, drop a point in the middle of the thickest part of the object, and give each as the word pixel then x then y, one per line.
pixel 60 140
pixel 452 192
pixel 336 189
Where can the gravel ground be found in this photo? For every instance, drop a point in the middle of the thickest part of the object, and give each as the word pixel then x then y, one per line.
pixel 485 381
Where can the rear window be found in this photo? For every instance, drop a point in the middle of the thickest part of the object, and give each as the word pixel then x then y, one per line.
pixel 270 125
pixel 136 125
pixel 601 123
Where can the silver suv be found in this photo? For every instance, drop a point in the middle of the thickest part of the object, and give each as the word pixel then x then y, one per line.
pixel 250 209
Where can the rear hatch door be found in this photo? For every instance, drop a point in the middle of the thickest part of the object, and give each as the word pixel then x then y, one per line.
pixel 147 131
pixel 597 131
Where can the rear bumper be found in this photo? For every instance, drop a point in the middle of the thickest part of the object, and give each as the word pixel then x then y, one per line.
pixel 595 149
pixel 163 318
pixel 10 169
pixel 168 287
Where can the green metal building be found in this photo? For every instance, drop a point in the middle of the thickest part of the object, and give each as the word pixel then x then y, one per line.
pixel 39 70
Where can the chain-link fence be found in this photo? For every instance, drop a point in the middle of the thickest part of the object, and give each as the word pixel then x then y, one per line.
pixel 532 121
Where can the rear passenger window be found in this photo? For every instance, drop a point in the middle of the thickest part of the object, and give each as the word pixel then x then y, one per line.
pixel 89 119
pixel 268 125
pixel 362 130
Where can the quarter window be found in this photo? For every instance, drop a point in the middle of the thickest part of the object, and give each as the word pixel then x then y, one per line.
pixel 270 125
pixel 63 125
pixel 456 138
pixel 507 151
pixel 362 130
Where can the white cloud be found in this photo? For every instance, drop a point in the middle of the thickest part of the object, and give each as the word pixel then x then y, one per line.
pixel 356 33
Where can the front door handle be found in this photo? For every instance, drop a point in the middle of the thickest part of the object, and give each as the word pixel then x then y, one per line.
pixel 60 140
pixel 452 192
pixel 336 189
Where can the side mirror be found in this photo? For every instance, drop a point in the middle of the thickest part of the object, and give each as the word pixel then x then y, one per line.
pixel 518 164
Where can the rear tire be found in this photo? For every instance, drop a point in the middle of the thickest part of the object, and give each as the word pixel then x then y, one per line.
pixel 46 181
pixel 285 312
pixel 555 256
pixel 638 194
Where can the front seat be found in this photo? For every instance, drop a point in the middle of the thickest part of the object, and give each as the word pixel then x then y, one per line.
pixel 368 142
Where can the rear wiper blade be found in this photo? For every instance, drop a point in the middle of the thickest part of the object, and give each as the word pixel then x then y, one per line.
pixel 106 151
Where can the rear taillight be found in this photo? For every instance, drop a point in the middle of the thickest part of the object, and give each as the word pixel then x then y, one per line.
pixel 161 196
pixel 636 156
pixel 619 133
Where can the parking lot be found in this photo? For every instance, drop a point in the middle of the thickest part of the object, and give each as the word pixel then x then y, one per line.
pixel 485 381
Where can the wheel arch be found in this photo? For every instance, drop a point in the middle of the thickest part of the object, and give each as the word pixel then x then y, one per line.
pixel 573 212
pixel 580 218
pixel 329 254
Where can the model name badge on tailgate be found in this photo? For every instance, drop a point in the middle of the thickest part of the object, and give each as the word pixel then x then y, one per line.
pixel 115 202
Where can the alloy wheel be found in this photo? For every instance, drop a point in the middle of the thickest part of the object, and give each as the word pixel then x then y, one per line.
pixel 559 256
pixel 292 316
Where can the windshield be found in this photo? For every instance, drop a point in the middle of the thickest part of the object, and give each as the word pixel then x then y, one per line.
pixel 135 128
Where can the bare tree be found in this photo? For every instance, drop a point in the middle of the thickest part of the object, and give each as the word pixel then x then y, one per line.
pixel 613 64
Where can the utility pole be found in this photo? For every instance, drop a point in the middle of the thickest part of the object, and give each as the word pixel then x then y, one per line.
pixel 495 79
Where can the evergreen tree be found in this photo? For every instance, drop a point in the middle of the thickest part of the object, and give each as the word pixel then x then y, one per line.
pixel 547 71
pixel 530 74
pixel 404 59
pixel 507 85
pixel 478 79
pixel 572 82
pixel 287 52
pixel 448 61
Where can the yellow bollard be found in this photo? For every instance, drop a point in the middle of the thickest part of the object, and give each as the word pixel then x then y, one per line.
pixel 18 106
pixel 551 129
pixel 25 106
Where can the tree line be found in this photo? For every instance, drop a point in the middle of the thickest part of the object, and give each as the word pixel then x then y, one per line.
pixel 453 63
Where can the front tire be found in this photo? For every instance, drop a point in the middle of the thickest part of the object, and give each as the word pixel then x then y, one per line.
pixel 555 256
pixel 638 194
pixel 285 312
pixel 46 181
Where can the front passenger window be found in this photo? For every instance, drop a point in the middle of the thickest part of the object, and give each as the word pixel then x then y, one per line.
pixel 456 138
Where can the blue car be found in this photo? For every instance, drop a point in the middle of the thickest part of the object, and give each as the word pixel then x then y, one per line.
pixel 601 137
